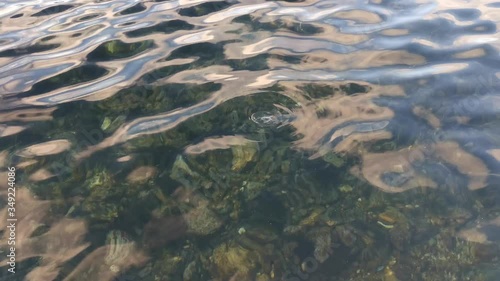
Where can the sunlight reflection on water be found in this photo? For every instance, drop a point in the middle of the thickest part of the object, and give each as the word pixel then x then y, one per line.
pixel 406 91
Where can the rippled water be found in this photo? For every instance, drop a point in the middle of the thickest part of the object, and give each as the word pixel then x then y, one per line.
pixel 251 140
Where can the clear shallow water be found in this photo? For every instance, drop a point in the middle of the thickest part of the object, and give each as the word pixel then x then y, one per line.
pixel 129 124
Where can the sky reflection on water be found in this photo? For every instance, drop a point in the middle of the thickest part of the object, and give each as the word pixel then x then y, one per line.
pixel 129 123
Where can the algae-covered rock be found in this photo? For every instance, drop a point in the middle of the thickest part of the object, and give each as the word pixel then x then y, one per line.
pixel 233 260
pixel 117 48
pixel 202 221
pixel 242 155
pixel 252 189
pixel 399 227
pixel 263 277
pixel 99 179
pixel 334 159
pixel 110 124
pixel 105 123
pixel 190 271
pixel 345 188
pixel 323 243
pixel 182 173
pixel 101 186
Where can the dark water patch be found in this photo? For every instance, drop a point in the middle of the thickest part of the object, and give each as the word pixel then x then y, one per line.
pixel 481 27
pixel 48 38
pixel 494 5
pixel 164 27
pixel 294 27
pixel 268 209
pixel 37 48
pixel 318 91
pixel 72 77
pixel 53 10
pixel 354 88
pixel 118 50
pixel 206 54
pixel 383 146
pixel 89 17
pixel 291 59
pixel 253 64
pixel 464 14
pixel 137 8
pixel 204 9
pixel 153 76
pixel 127 24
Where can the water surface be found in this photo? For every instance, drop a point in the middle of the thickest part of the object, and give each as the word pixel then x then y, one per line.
pixel 251 140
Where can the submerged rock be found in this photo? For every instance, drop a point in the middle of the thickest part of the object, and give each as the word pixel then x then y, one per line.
pixel 334 159
pixel 323 243
pixel 141 174
pixel 202 221
pixel 484 232
pixel 232 260
pixel 242 155
pixel 160 231
pixel 109 125
pixel 190 271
